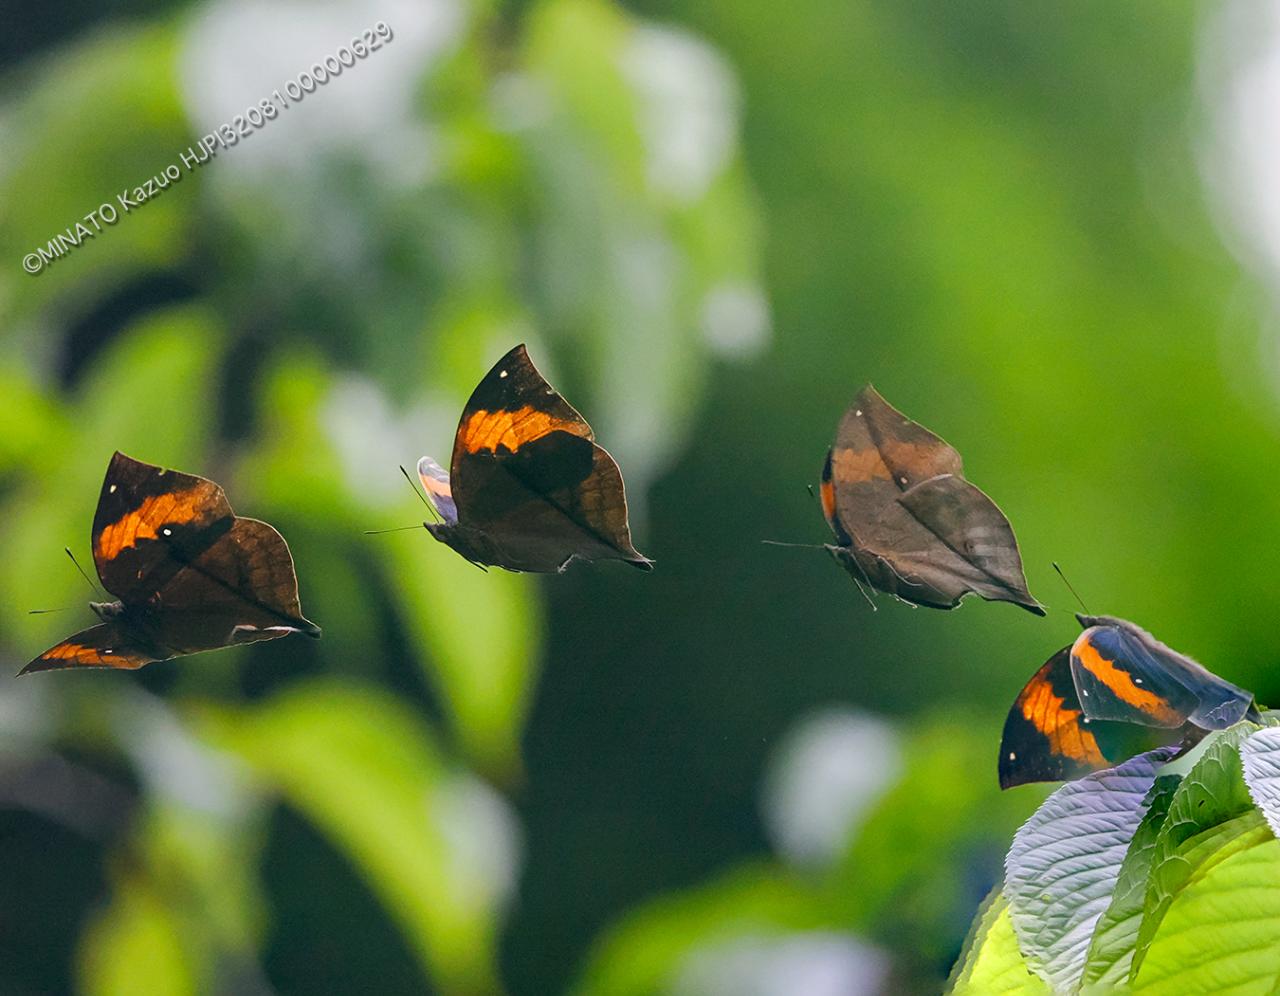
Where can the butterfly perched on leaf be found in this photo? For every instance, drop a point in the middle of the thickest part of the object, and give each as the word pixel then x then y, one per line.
pixel 1115 692
pixel 905 519
pixel 528 487
pixel 188 574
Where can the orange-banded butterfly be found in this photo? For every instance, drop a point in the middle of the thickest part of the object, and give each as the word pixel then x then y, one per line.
pixel 189 574
pixel 1115 692
pixel 528 487
pixel 905 519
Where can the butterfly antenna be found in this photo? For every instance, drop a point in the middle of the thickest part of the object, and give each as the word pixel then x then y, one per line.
pixel 435 514
pixel 1070 588
pixel 87 580
pixel 394 529
pixel 43 612
pixel 801 546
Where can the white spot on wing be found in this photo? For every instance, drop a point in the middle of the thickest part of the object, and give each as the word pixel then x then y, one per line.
pixel 167 531
pixel 502 374
pixel 111 490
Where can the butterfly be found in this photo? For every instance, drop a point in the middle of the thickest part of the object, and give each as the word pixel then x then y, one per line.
pixel 907 522
pixel 189 574
pixel 528 487
pixel 1115 692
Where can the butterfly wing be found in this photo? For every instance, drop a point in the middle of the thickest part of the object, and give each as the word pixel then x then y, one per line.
pixel 915 527
pixel 528 475
pixel 105 645
pixel 981 551
pixel 1047 736
pixel 240 589
pixel 1044 737
pixel 149 522
pixel 1123 673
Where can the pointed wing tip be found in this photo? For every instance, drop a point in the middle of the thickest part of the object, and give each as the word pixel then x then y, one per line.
pixel 39 664
pixel 1034 607
pixel 308 628
pixel 643 562
pixel 868 392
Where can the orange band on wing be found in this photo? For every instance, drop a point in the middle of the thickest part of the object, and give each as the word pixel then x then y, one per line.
pixel 1062 727
pixel 1121 683
pixel 486 430
pixel 849 466
pixel 140 524
pixel 828 492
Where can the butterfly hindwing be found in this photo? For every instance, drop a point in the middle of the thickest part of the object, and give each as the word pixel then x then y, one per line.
pixel 981 553
pixel 246 580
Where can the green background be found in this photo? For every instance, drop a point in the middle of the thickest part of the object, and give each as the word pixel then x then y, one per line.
pixel 479 782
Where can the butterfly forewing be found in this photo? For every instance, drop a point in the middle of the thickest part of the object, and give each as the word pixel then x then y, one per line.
pixel 1123 673
pixel 104 645
pixel 149 521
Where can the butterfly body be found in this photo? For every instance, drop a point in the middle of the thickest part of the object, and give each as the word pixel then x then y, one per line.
pixel 1114 692
pixel 528 489
pixel 188 574
pixel 905 519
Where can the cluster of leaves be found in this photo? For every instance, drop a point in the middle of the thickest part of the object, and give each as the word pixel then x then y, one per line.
pixel 1139 880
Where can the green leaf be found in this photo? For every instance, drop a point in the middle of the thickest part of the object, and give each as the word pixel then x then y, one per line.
pixel 1260 756
pixel 1111 951
pixel 364 769
pixel 1064 863
pixel 1220 932
pixel 479 634
pixel 134 946
pixel 1212 796
pixel 991 963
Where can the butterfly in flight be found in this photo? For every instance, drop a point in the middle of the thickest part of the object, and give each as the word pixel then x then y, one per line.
pixel 907 522
pixel 528 487
pixel 188 574
pixel 1115 692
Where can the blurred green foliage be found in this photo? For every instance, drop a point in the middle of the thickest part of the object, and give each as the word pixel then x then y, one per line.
pixel 712 222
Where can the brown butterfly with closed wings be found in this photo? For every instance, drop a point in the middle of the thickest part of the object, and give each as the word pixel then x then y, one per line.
pixel 528 487
pixel 1116 691
pixel 905 519
pixel 189 574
